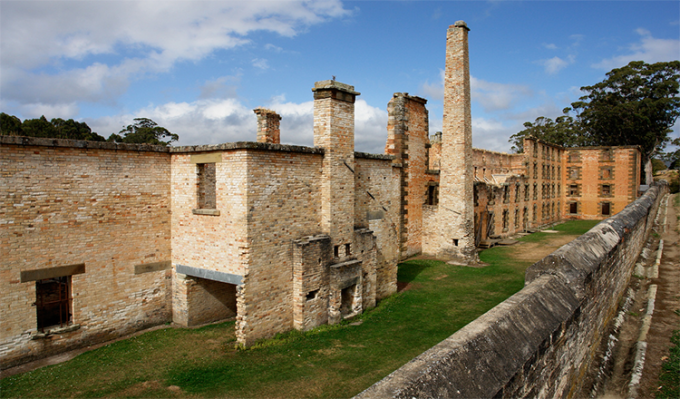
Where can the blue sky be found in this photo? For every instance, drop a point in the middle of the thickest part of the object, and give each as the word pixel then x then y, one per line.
pixel 199 68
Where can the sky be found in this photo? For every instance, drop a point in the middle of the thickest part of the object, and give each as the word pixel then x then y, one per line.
pixel 199 68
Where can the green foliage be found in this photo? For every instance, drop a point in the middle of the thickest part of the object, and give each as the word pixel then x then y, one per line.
pixel 669 379
pixel 564 131
pixel 57 128
pixel 658 165
pixel 636 105
pixel 144 131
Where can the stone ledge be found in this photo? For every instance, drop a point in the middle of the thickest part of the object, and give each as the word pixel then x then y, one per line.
pixel 208 212
pixel 56 331
pixel 247 145
pixel 366 155
pixel 82 144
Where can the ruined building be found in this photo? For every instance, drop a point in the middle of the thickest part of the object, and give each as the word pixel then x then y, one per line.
pixel 98 240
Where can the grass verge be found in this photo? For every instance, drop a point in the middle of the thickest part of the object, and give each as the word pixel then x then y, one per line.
pixel 669 379
pixel 330 361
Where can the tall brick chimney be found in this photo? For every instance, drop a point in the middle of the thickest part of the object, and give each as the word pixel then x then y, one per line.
pixel 334 131
pixel 456 213
pixel 268 130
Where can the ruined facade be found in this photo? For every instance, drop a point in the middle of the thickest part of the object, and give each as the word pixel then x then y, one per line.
pixel 99 239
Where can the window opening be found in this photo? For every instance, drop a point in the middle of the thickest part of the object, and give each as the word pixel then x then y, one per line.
pixel 207 195
pixel 312 295
pixel 606 189
pixel 53 302
pixel 573 208
pixel 606 209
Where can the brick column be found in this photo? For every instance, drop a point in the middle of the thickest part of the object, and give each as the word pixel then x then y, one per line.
pixel 456 212
pixel 268 126
pixel 334 131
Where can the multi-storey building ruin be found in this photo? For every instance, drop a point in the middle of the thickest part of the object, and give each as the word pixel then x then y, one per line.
pixel 99 240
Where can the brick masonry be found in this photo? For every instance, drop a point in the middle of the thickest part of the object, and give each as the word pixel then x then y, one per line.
pixel 277 236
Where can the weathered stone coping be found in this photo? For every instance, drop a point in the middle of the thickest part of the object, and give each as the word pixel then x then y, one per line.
pixel 83 144
pixel 247 145
pixel 366 155
pixel 239 145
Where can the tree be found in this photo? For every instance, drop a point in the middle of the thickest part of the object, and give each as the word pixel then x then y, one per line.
pixel 564 131
pixel 10 125
pixel 144 130
pixel 71 129
pixel 636 105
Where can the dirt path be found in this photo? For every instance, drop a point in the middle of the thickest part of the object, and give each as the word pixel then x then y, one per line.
pixel 666 316
pixel 618 373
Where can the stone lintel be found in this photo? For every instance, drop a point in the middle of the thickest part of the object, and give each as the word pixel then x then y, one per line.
pixel 210 274
pixel 348 263
pixel 214 157
pixel 51 272
pixel 152 267
pixel 208 212
pixel 247 145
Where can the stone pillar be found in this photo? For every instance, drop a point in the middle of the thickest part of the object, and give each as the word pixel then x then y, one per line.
pixel 456 212
pixel 268 130
pixel 407 140
pixel 334 131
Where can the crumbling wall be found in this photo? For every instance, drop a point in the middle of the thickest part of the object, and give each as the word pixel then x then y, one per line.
pixel 377 207
pixel 100 210
pixel 540 341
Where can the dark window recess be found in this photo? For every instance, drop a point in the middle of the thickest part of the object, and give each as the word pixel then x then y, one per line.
pixel 336 251
pixel 312 295
pixel 455 242
pixel 573 208
pixel 348 249
pixel 432 195
pixel 606 189
pixel 606 210
pixel 53 302
pixel 207 180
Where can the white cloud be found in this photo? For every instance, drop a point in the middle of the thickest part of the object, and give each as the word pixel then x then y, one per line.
pixel 146 36
pixel 497 96
pixel 213 121
pixel 222 87
pixel 648 49
pixel 550 46
pixel 556 64
pixel 490 95
pixel 260 63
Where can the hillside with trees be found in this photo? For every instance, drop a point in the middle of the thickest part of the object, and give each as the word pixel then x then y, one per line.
pixel 143 131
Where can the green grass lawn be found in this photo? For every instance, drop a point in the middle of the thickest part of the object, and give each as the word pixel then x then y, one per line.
pixel 330 361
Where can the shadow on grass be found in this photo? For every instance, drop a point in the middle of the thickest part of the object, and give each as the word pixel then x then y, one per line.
pixel 409 270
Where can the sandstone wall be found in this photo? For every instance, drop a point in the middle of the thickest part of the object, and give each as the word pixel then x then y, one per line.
pixel 377 207
pixel 540 341
pixel 283 204
pixel 100 205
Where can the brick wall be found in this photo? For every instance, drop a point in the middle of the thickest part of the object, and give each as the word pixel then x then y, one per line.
pixel 102 205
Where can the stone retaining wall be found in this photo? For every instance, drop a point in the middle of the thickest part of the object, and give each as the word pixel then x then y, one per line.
pixel 541 341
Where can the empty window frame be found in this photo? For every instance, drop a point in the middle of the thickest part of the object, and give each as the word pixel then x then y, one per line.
pixel 573 208
pixel 606 172
pixel 206 185
pixel 432 195
pixel 607 155
pixel 527 191
pixel 573 190
pixel 573 173
pixel 606 190
pixel 53 302
pixel 505 220
pixel 573 157
pixel 606 208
